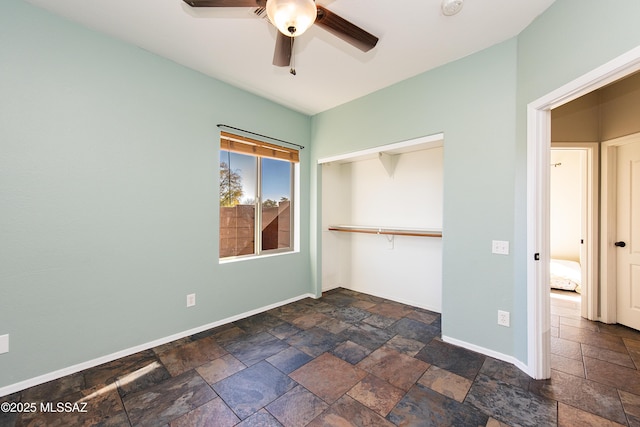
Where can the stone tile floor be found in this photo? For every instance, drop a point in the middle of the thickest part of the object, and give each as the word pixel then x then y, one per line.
pixel 351 359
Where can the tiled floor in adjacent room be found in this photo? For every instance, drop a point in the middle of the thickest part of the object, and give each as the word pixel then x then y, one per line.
pixel 350 359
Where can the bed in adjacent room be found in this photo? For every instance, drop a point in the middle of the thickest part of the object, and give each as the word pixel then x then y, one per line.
pixel 565 275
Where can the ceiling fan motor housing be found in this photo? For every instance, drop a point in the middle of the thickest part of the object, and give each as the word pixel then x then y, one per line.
pixel 292 18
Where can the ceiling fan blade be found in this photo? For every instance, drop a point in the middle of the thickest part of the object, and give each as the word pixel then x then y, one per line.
pixel 345 30
pixel 226 3
pixel 282 53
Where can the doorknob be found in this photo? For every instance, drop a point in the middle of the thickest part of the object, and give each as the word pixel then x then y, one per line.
pixel 620 244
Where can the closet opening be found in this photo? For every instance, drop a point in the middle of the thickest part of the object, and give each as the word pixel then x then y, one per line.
pixel 381 219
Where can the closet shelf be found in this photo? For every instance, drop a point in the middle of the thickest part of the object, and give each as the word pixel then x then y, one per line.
pixel 419 232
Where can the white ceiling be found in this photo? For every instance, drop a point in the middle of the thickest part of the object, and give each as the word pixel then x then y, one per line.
pixel 235 46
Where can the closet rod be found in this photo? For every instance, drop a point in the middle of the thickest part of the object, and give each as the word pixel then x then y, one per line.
pixel 386 231
pixel 222 125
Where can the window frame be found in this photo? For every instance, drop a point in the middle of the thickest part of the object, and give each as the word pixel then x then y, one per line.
pixel 262 150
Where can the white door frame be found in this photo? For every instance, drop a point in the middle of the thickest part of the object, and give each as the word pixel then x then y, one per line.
pixel 538 146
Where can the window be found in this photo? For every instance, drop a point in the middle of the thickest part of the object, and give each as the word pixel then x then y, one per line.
pixel 256 197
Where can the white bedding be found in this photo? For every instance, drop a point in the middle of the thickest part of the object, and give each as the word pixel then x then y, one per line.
pixel 565 275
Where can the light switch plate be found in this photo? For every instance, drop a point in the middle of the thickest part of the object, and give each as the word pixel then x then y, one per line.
pixel 191 300
pixel 500 247
pixel 4 343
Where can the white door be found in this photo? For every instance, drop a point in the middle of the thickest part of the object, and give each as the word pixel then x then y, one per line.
pixel 628 235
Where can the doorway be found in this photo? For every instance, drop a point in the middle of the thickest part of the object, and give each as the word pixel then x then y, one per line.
pixel 574 223
pixel 538 165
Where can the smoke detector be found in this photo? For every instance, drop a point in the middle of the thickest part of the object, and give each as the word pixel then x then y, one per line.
pixel 451 7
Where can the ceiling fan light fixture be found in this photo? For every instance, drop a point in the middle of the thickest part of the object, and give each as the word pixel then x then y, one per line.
pixel 292 17
pixel 451 7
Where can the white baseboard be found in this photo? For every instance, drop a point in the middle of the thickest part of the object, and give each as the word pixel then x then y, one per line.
pixel 331 287
pixel 41 379
pixel 487 352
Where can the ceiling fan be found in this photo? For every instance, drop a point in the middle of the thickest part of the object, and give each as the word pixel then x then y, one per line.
pixel 292 18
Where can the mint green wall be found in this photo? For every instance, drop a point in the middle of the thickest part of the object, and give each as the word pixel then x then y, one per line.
pixel 479 103
pixel 472 102
pixel 108 187
pixel 572 38
pixel 108 181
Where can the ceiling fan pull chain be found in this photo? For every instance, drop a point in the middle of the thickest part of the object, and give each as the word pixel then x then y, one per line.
pixel 292 70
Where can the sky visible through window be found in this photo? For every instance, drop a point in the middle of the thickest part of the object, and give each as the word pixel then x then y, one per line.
pixel 276 176
pixel 276 179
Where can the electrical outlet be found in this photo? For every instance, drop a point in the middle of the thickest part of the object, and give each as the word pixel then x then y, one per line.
pixel 503 318
pixel 500 247
pixel 4 343
pixel 191 300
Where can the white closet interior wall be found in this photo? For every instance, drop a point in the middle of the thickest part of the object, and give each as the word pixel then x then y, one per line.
pixel 396 191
